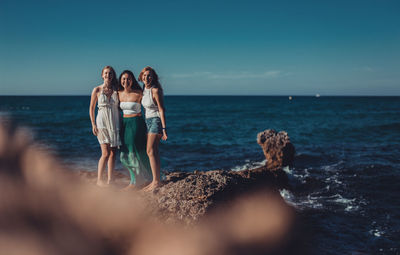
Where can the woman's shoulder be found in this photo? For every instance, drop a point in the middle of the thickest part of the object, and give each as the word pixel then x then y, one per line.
pixel 155 90
pixel 132 96
pixel 133 93
pixel 97 89
pixel 138 91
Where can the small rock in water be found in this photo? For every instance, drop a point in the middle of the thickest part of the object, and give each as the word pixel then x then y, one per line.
pixel 278 149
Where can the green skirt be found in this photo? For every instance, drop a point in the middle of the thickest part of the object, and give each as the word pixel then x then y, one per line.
pixel 133 151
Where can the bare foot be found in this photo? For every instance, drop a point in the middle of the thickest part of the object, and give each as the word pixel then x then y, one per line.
pixel 101 184
pixel 129 188
pixel 144 185
pixel 152 186
pixel 110 182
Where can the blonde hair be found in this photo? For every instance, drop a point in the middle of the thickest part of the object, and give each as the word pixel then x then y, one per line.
pixel 154 82
pixel 114 81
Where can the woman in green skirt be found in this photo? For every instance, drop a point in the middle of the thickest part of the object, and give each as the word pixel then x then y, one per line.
pixel 134 132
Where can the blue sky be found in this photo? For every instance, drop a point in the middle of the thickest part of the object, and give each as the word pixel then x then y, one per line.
pixel 57 47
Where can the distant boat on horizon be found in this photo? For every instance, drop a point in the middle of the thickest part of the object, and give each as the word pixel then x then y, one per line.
pixel 317 95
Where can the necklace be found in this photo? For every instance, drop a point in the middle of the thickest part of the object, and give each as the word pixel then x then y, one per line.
pixel 107 91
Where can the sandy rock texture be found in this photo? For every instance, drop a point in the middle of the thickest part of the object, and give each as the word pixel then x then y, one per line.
pixel 189 196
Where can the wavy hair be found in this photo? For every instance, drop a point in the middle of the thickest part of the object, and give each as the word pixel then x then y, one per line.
pixel 155 81
pixel 114 81
pixel 135 84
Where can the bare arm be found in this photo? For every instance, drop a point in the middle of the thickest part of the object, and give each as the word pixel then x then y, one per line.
pixel 119 100
pixel 160 102
pixel 93 101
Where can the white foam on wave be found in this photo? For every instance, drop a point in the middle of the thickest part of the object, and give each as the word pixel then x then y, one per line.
pixel 342 200
pixel 332 167
pixel 334 178
pixel 301 176
pixel 301 203
pixel 376 232
pixel 311 202
pixel 288 197
pixel 350 203
pixel 249 165
pixel 287 170
pixel 351 208
pixel 318 199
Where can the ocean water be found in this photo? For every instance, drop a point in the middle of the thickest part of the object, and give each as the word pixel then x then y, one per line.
pixel 345 181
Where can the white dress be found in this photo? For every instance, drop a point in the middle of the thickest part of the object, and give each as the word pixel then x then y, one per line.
pixel 108 119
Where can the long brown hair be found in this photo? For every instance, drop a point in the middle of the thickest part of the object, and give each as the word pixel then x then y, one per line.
pixel 114 81
pixel 135 84
pixel 154 82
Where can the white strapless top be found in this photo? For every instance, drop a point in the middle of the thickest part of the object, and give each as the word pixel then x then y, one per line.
pixel 130 107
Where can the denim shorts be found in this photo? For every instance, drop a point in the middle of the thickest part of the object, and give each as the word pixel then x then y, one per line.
pixel 154 125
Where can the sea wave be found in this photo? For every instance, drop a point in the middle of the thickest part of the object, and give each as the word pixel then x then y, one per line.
pixel 249 165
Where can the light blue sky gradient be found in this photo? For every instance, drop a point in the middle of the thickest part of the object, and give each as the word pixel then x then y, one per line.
pixel 59 47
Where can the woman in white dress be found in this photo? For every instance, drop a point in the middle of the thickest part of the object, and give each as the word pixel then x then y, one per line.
pixel 106 126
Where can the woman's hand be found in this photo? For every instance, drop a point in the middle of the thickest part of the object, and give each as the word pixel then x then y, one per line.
pixel 94 130
pixel 164 136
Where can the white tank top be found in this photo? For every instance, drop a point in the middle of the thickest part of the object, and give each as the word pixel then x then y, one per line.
pixel 150 108
pixel 130 107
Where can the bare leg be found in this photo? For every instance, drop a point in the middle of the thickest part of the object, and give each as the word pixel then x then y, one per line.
pixel 105 153
pixel 153 141
pixel 111 164
pixel 158 158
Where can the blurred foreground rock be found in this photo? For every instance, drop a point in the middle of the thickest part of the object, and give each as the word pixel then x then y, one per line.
pixel 44 209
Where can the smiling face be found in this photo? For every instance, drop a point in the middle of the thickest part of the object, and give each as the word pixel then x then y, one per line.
pixel 107 75
pixel 147 77
pixel 126 81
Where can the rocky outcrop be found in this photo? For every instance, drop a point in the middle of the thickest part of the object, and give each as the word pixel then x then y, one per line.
pixel 46 210
pixel 187 197
pixel 277 148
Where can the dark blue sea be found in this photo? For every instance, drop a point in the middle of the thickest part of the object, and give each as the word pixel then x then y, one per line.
pixel 346 178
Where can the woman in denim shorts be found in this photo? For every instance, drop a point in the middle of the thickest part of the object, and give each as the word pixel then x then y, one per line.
pixel 153 103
